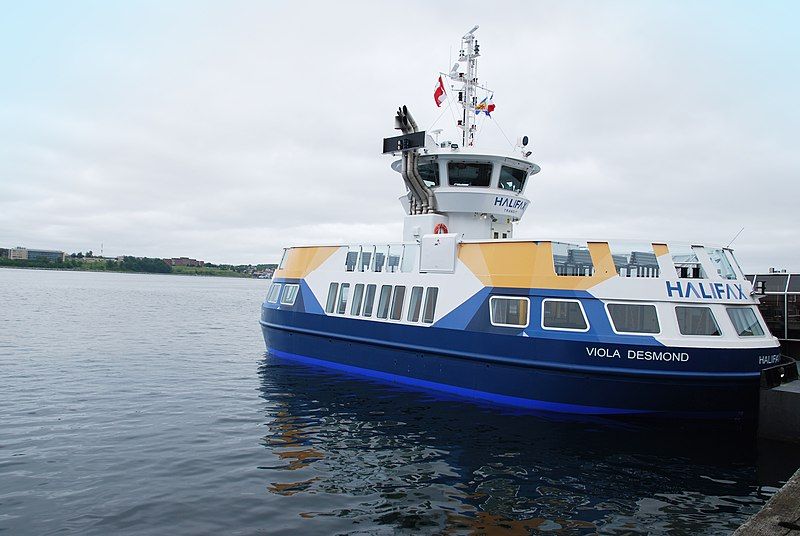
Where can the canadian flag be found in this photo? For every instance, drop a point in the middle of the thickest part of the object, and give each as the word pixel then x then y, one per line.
pixel 438 93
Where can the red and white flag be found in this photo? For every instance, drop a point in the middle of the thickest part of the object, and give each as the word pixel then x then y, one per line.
pixel 438 93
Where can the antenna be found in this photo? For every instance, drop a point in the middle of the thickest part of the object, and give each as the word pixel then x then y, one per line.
pixel 735 237
pixel 467 95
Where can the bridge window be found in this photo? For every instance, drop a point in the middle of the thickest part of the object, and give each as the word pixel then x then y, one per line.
pixel 274 292
pixel 564 314
pixel 464 174
pixel 634 260
pixel 415 304
pixel 289 294
pixel 633 318
pixel 509 312
pixel 745 321
pixel 721 264
pixel 697 321
pixel 512 179
pixel 358 295
pixel 383 301
pixel 572 259
pixel 397 302
pixel 429 312
pixel 331 304
pixel 687 265
pixel 429 172
pixel 369 300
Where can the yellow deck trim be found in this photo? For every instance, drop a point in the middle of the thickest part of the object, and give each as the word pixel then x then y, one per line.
pixel 302 261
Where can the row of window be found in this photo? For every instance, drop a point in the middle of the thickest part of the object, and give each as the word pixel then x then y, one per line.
pixel 569 315
pixel 473 174
pixel 289 293
pixel 391 301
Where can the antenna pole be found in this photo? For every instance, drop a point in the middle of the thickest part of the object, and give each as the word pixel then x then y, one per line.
pixel 469 55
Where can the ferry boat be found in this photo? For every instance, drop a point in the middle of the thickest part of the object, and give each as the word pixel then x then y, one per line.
pixel 461 305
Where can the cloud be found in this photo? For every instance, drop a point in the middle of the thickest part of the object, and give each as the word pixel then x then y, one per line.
pixel 227 132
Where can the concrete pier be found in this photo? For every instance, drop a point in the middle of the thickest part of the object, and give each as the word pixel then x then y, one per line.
pixel 779 402
pixel 780 516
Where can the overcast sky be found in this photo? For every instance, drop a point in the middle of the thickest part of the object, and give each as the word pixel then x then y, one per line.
pixel 227 130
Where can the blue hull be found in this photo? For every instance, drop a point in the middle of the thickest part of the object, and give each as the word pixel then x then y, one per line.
pixel 448 361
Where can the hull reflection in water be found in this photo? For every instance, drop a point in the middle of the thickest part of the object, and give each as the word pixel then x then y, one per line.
pixel 382 457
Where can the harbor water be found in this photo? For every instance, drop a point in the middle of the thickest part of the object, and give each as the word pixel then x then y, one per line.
pixel 146 404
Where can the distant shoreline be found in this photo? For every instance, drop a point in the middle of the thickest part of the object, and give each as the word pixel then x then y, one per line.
pixel 209 273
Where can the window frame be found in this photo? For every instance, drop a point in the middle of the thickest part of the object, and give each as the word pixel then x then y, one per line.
pixel 713 317
pixel 467 163
pixel 393 306
pixel 425 300
pixel 286 288
pixel 418 309
pixel 369 312
pixel 574 330
pixel 509 298
pixel 643 333
pixel 333 295
pixel 764 330
pixel 279 289
pixel 341 305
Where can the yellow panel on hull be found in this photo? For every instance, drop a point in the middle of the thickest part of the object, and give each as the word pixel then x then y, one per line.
pixel 300 262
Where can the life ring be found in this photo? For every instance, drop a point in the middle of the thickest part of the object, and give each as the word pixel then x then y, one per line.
pixel 440 229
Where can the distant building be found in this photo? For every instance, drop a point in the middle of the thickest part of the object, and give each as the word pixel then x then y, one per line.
pixel 18 254
pixel 3 253
pixel 36 254
pixel 184 261
pixel 781 307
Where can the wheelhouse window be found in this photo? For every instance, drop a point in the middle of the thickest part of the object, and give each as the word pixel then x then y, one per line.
pixel 289 294
pixel 469 174
pixel 572 259
pixel 429 172
pixel 358 295
pixel 343 295
pixel 697 321
pixel 720 263
pixel 429 312
pixel 415 304
pixel 509 311
pixel 274 292
pixel 369 300
pixel 383 301
pixel 564 314
pixel 633 318
pixel 745 321
pixel 398 298
pixel 512 179
pixel 331 303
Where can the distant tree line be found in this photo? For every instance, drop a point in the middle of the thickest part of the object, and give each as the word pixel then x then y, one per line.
pixel 145 264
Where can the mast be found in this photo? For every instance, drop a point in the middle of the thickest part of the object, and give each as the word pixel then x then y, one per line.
pixel 467 95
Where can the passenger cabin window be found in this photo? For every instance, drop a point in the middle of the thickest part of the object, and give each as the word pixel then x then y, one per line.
pixel 383 301
pixel 564 314
pixel 331 303
pixel 572 259
pixel 274 292
pixel 633 318
pixel 429 312
pixel 745 321
pixel 358 295
pixel 687 265
pixel 697 321
pixel 398 298
pixel 369 300
pixel 721 264
pixel 429 172
pixel 415 304
pixel 289 294
pixel 464 174
pixel 512 179
pixel 343 295
pixel 634 260
pixel 509 312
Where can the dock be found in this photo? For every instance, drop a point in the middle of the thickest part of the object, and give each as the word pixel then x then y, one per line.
pixel 779 402
pixel 780 516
